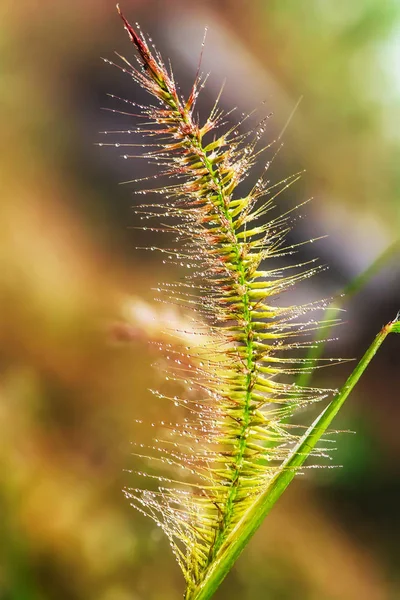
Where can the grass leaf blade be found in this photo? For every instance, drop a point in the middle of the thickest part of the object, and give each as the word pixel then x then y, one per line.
pixel 253 518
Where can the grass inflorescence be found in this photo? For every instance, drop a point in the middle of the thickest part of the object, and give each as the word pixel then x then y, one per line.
pixel 239 376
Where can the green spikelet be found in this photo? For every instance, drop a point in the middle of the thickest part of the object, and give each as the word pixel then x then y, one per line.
pixel 239 374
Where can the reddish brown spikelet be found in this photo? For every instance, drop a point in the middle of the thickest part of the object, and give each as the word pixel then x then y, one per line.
pixel 140 44
pixel 156 71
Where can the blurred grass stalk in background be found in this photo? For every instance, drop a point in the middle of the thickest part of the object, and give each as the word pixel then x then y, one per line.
pixel 354 287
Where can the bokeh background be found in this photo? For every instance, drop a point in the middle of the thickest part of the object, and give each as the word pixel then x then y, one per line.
pixel 77 312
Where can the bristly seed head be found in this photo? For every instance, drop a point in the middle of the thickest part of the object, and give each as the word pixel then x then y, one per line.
pixel 244 351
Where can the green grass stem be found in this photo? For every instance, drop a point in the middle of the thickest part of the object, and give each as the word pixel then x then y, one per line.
pixel 250 522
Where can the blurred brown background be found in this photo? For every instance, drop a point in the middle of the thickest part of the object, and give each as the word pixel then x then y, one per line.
pixel 76 300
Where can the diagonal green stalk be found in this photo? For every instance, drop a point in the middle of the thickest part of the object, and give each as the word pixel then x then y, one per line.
pixel 252 519
pixel 355 286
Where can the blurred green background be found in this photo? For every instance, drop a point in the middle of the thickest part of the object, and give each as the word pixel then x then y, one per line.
pixel 76 300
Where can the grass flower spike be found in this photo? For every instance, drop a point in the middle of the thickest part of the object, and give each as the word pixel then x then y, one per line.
pixel 237 441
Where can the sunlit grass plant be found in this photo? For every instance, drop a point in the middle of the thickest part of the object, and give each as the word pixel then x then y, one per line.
pixel 237 448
